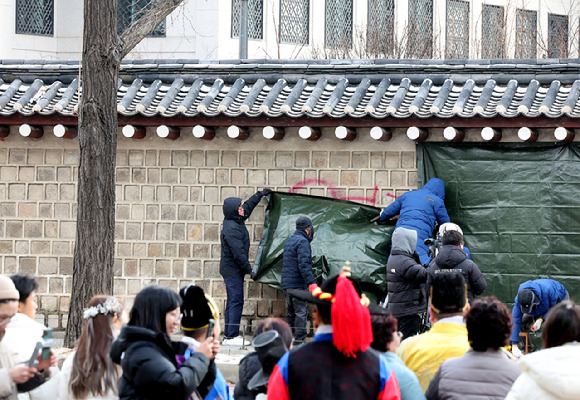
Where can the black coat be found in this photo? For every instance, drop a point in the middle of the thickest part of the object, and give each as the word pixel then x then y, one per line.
pixel 406 279
pixel 249 366
pixel 235 240
pixel 453 257
pixel 150 368
pixel 297 262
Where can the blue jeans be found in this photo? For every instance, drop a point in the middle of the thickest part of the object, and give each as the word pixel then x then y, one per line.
pixel 234 306
pixel 296 316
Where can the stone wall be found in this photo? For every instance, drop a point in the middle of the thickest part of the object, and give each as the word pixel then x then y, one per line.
pixel 169 204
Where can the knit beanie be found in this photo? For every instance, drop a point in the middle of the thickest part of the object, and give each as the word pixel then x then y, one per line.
pixel 197 308
pixel 303 223
pixel 7 289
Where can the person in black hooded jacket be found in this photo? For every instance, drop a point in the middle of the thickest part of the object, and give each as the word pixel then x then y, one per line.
pixel 234 262
pixel 406 279
pixel 148 356
pixel 452 256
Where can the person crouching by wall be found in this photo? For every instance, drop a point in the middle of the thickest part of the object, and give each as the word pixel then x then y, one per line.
pixel 148 356
pixel 200 322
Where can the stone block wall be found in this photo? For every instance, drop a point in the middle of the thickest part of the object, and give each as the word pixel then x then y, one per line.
pixel 169 204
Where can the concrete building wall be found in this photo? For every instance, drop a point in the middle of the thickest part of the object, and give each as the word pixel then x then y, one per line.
pixel 202 29
pixel 169 204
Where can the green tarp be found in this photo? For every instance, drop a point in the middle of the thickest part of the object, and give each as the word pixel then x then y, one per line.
pixel 518 206
pixel 342 232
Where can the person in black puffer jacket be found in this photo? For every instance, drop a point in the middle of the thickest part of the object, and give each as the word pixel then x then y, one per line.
pixel 406 279
pixel 452 256
pixel 147 355
pixel 234 262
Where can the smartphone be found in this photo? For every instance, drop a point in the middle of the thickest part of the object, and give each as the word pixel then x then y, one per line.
pixel 210 328
pixel 33 362
pixel 47 345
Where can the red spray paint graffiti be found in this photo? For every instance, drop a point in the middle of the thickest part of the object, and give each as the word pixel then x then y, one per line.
pixel 337 193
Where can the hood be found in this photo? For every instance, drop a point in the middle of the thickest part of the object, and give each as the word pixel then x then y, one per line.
pixel 450 256
pixel 132 334
pixel 437 187
pixel 231 205
pixel 555 370
pixel 404 239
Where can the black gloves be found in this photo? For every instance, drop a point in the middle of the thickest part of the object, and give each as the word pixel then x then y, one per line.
pixel 266 191
pixel 253 275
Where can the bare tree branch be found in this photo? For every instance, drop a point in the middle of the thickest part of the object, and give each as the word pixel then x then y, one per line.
pixel 142 26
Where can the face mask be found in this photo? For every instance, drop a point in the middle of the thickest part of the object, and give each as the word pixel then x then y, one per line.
pixel 311 231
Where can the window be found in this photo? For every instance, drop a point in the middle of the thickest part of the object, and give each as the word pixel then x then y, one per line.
pixel 526 30
pixel 35 17
pixel 381 27
pixel 338 23
pixel 255 19
pixel 129 11
pixel 420 29
pixel 557 36
pixel 294 17
pixel 457 27
pixel 492 32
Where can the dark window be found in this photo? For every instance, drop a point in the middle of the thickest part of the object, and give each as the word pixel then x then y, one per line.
pixel 492 32
pixel 381 27
pixel 338 23
pixel 557 36
pixel 129 11
pixel 294 18
pixel 457 27
pixel 526 31
pixel 419 34
pixel 255 18
pixel 35 17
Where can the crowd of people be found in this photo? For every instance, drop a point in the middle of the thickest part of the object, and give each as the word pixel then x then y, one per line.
pixel 432 338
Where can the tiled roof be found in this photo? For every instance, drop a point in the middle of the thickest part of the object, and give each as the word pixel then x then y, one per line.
pixel 313 88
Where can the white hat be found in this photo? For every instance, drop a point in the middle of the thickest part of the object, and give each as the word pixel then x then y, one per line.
pixel 449 226
pixel 7 289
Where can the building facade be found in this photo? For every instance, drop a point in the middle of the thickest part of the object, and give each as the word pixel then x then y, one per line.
pixel 300 29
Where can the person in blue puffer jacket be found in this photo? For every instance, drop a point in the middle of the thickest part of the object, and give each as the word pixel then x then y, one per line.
pixel 534 298
pixel 297 274
pixel 419 210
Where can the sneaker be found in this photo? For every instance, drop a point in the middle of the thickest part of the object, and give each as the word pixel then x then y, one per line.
pixel 236 341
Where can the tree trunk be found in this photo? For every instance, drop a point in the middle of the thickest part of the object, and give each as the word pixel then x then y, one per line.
pixel 97 135
pixel 103 50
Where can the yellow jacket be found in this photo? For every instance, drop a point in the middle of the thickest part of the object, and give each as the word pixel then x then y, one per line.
pixel 423 354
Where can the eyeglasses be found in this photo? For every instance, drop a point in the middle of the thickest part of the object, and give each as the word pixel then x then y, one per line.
pixel 4 319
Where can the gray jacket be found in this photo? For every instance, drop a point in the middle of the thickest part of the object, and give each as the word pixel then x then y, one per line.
pixel 474 376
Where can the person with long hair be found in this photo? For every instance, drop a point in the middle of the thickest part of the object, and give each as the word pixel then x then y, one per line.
pixel 552 373
pixel 148 356
pixel 89 373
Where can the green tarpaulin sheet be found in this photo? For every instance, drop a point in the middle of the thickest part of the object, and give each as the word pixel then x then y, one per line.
pixel 518 206
pixel 342 232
